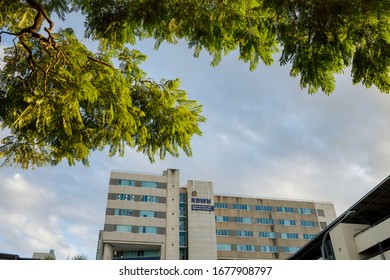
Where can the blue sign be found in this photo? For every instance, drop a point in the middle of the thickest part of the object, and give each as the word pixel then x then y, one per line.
pixel 202 207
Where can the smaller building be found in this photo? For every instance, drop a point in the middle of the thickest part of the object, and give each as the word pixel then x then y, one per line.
pixel 45 256
pixel 6 256
pixel 360 233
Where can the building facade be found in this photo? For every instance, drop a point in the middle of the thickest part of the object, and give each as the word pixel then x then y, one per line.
pixel 153 217
pixel 362 232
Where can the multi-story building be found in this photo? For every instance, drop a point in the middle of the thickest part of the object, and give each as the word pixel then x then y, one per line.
pixel 152 217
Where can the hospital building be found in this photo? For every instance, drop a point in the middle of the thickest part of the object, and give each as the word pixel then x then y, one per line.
pixel 151 216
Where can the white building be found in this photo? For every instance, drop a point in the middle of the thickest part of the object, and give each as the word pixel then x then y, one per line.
pixel 360 233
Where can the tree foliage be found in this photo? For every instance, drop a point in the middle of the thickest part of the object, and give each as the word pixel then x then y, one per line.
pixel 319 38
pixel 79 257
pixel 60 100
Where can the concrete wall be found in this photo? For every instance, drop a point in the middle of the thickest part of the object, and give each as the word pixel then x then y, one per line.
pixel 372 236
pixel 202 242
pixel 343 241
pixel 172 220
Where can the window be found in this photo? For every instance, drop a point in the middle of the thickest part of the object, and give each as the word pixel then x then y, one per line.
pixel 147 214
pixel 221 205
pixel 221 218
pixel 285 209
pixel 287 222
pixel 269 249
pixel 123 212
pixel 245 247
pixel 123 228
pixel 223 232
pixel 148 198
pixel 308 223
pixel 183 197
pixel 129 197
pixel 265 221
pixel 129 183
pixel 323 225
pixel 244 220
pixel 288 235
pixel 183 224
pixel 264 208
pixel 290 249
pixel 183 254
pixel 304 211
pixel 183 209
pixel 183 239
pixel 224 247
pixel 136 254
pixel 308 236
pixel 149 184
pixel 241 207
pixel 320 213
pixel 149 230
pixel 244 233
pixel 267 234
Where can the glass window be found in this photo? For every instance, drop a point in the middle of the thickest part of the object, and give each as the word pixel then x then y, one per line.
pixel 267 234
pixel 308 223
pixel 287 222
pixel 137 254
pixel 183 209
pixel 129 197
pixel 323 225
pixel 264 208
pixel 123 212
pixel 147 214
pixel 241 207
pixel 183 224
pixel 265 221
pixel 288 235
pixel 149 184
pixel 320 212
pixel 244 233
pixel 123 228
pixel 224 247
pixel 269 249
pixel 223 232
pixel 221 218
pixel 129 183
pixel 183 239
pixel 304 211
pixel 244 220
pixel 183 197
pixel 221 205
pixel 287 249
pixel 149 230
pixel 245 247
pixel 308 236
pixel 328 250
pixel 183 254
pixel 148 198
pixel 285 209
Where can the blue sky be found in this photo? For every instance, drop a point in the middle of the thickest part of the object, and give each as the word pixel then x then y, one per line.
pixel 264 136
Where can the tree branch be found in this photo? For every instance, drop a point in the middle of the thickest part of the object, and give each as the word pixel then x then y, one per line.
pixel 8 33
pixel 99 61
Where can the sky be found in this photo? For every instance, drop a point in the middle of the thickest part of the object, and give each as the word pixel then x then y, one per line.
pixel 264 137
